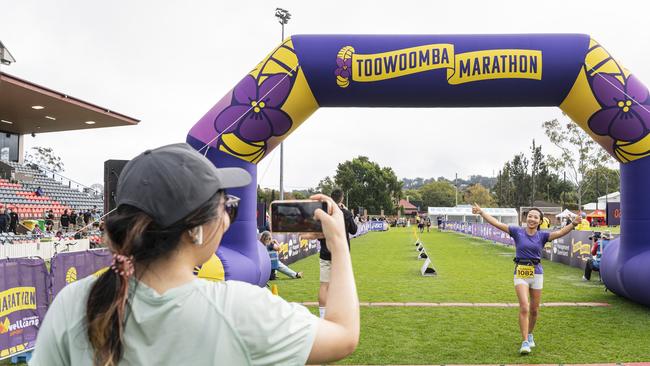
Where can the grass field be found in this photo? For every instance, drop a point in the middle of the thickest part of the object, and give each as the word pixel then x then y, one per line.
pixel 473 270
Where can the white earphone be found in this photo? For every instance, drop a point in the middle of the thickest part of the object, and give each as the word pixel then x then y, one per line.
pixel 197 235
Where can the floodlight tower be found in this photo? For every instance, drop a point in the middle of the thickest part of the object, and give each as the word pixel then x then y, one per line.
pixel 283 18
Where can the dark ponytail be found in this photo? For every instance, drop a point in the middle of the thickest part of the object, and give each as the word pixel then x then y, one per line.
pixel 132 233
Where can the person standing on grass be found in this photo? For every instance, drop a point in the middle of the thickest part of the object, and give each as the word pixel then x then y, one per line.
pixel 325 256
pixel 529 274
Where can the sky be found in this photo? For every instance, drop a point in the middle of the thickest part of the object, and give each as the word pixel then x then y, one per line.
pixel 168 62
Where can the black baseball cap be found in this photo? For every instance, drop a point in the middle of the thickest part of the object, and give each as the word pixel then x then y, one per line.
pixel 170 182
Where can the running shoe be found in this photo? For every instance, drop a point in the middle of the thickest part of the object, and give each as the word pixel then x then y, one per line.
pixel 531 341
pixel 525 348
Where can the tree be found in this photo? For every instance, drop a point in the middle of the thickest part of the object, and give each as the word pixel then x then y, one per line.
pixel 44 157
pixel 266 195
pixel 326 186
pixel 368 185
pixel 599 181
pixel 579 152
pixel 478 194
pixel 521 180
pixel 438 194
pixel 504 188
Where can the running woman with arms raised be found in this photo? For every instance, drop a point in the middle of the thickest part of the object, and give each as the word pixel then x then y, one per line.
pixel 529 274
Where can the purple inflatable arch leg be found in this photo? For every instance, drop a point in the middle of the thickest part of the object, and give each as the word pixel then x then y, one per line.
pixel 242 255
pixel 625 265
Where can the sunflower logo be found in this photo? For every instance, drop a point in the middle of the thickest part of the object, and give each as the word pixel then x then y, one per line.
pixel 71 275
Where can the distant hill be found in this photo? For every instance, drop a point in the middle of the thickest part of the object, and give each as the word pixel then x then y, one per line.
pixel 487 182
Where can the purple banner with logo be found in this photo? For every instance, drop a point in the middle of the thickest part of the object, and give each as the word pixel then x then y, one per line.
pixel 378 226
pixel 294 248
pixel 23 303
pixel 485 231
pixel 362 228
pixel 72 266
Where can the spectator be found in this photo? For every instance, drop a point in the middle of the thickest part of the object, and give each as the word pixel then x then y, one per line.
pixel 439 223
pixel 65 221
pixel 272 245
pixel 325 259
pixel 546 223
pixel 87 216
pixel 584 223
pixel 73 219
pixel 5 219
pixel 39 191
pixel 593 263
pixel 49 220
pixel 146 307
pixel 13 223
pixel 95 217
pixel 80 219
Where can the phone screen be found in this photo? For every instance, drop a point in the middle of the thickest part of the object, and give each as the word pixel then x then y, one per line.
pixel 296 216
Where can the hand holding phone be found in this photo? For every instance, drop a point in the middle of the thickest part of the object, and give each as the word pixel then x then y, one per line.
pixel 332 223
pixel 296 216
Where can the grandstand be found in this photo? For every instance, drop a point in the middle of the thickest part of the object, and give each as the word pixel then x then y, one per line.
pixel 28 109
pixel 18 191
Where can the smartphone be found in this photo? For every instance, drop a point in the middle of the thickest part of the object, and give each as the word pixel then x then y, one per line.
pixel 296 216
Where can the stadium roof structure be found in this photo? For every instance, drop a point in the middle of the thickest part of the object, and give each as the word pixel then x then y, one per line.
pixel 467 211
pixel 27 108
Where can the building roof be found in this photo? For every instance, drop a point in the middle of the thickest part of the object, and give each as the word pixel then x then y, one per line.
pixel 467 211
pixel 407 205
pixel 610 196
pixel 60 111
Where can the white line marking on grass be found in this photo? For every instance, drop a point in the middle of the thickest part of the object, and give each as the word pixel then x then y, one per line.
pixel 469 304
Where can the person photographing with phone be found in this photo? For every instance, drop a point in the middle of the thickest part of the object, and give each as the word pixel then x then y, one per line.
pixel 149 308
pixel 325 256
pixel 529 274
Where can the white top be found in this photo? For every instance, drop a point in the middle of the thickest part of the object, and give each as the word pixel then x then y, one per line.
pixel 199 323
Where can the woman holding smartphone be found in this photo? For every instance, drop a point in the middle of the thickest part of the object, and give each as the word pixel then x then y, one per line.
pixel 529 274
pixel 150 309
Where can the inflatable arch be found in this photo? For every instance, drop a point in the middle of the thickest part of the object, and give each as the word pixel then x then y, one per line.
pixel 306 72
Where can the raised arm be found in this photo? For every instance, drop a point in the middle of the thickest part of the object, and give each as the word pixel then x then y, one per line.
pixel 338 333
pixel 489 219
pixel 565 230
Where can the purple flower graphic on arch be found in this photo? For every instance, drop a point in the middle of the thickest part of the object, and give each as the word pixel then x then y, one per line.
pixel 624 115
pixel 254 113
pixel 344 67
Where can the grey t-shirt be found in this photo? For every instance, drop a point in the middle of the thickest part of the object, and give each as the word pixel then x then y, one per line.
pixel 199 323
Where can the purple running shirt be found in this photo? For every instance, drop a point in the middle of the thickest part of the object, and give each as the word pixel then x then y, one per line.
pixel 529 246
